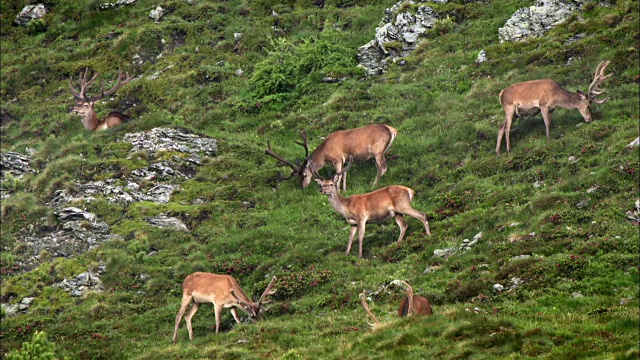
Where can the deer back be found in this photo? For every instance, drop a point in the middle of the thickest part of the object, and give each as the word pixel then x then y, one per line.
pixel 421 306
pixel 361 143
pixel 208 287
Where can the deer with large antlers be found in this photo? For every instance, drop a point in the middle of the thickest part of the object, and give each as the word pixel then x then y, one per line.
pixel 84 103
pixel 411 304
pixel 362 144
pixel 222 291
pixel 543 96
pixel 374 207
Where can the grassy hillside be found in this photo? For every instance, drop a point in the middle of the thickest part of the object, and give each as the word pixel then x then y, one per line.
pixel 569 216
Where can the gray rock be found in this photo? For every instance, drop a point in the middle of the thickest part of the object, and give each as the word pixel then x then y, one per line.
pixel 498 287
pixel 430 269
pixel 81 284
pixel 11 309
pixel 30 12
pixel 577 295
pixel 157 14
pixel 634 143
pixel 167 139
pixel 164 221
pixel 482 57
pixel 535 21
pixel 403 32
pixel 445 253
pixel 520 257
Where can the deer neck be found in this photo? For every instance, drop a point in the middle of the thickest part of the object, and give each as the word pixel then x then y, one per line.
pixel 90 120
pixel 339 203
pixel 567 99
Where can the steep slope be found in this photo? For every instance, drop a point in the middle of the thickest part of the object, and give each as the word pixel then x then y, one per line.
pixel 554 272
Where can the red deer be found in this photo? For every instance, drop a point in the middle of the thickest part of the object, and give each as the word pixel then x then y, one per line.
pixel 412 304
pixel 543 96
pixel 222 291
pixel 363 144
pixel 84 103
pixel 374 207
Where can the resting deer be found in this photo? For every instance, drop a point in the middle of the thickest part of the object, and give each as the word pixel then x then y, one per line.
pixel 543 96
pixel 412 304
pixel 222 291
pixel 374 207
pixel 84 103
pixel 363 144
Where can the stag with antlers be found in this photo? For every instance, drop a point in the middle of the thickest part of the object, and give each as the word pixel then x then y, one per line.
pixel 543 96
pixel 222 291
pixel 362 144
pixel 411 304
pixel 374 207
pixel 84 103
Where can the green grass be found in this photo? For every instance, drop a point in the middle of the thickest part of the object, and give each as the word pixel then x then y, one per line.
pixel 446 110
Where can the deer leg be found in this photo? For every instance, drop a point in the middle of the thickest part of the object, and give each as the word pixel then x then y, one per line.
pixel 343 177
pixel 361 226
pixel 500 134
pixel 234 312
pixel 420 216
pixel 507 130
pixel 546 116
pixel 381 164
pixel 402 224
pixel 188 317
pixel 183 307
pixel 352 233
pixel 217 310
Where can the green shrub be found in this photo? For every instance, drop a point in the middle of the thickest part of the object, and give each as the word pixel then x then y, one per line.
pixel 39 348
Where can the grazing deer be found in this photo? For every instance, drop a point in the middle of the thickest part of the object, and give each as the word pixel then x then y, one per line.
pixel 543 96
pixel 363 144
pixel 412 304
pixel 374 207
pixel 222 291
pixel 84 103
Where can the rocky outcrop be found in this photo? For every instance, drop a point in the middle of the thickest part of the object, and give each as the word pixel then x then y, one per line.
pixel 535 21
pixel 30 12
pixel 118 3
pixel 79 230
pixel 81 284
pixel 397 35
pixel 157 14
pixel 169 139
pixel 15 164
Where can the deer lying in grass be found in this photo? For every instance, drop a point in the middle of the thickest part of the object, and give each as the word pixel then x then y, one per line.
pixel 362 144
pixel 84 103
pixel 411 304
pixel 222 291
pixel 374 207
pixel 543 96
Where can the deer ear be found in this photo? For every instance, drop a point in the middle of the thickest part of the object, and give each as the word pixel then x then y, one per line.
pixel 581 95
pixel 318 181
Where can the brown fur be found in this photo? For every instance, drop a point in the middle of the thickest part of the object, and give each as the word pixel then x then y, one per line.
pixel 543 96
pixel 362 144
pixel 421 306
pixel 376 206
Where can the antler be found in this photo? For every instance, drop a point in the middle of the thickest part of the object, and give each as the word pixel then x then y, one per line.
pixel 363 299
pixel 410 298
pixel 268 292
pixel 81 96
pixel 283 162
pixel 304 144
pixel 598 78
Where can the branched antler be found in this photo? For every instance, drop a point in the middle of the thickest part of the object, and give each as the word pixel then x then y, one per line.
pixel 598 79
pixel 268 291
pixel 81 96
pixel 297 167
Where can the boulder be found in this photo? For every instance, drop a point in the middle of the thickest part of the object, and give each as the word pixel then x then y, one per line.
pixel 535 21
pixel 30 12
